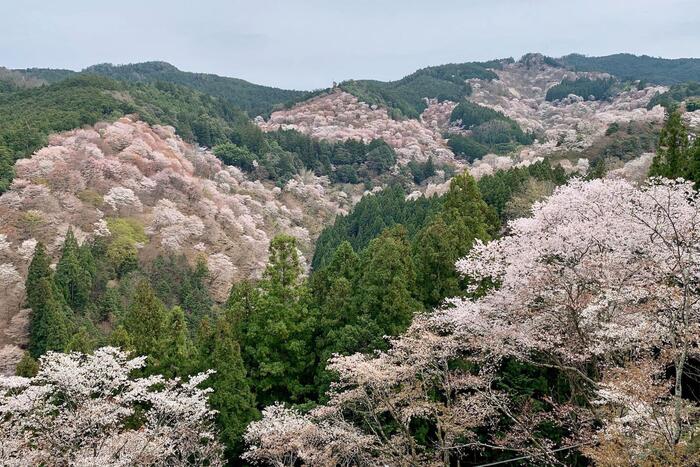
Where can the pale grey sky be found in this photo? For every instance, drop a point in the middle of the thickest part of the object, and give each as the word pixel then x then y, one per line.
pixel 308 44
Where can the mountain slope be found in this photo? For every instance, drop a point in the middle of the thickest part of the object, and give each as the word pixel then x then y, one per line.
pixel 129 176
pixel 253 98
pixel 28 116
pixel 407 97
pixel 634 67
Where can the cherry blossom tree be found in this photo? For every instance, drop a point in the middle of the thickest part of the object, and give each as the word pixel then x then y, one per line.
pixel 602 283
pixel 87 410
pixel 431 380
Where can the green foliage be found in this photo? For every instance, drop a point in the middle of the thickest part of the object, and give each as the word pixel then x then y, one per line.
pixel 145 321
pixel 232 398
pixel 588 89
pixel 231 154
pixel 82 341
pixel 122 253
pixel 463 218
pixel 49 324
pixel 27 367
pixel 253 98
pixel 276 329
pixel 48 75
pixel 405 98
pixel 387 282
pixel 471 114
pixel 499 188
pixel 422 170
pixel 467 148
pixel 178 350
pixel 49 321
pixel 628 67
pixel 676 156
pixel 73 273
pixel 490 131
pixel 677 94
pixel 370 216
pixel 39 268
pixel 177 284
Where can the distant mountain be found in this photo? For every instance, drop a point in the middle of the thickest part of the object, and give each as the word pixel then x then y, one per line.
pixel 29 114
pixel 252 98
pixel 406 97
pixel 48 75
pixel 627 66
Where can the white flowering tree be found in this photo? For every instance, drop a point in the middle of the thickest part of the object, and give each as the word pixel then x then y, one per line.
pixel 601 284
pixel 87 410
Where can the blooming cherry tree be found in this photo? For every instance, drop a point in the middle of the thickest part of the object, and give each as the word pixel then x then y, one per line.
pixel 600 282
pixel 86 410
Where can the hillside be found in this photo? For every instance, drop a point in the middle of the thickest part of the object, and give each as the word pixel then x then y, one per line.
pixel 405 98
pixel 129 177
pixel 252 98
pixel 28 116
pixel 655 70
pixel 509 107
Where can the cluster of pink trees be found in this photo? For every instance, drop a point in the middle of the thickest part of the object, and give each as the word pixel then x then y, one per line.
pixel 600 284
pixel 88 410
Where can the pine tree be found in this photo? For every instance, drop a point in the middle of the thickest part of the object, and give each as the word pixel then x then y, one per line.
pixel 82 341
pixel 72 279
pixel 195 294
pixel 332 291
pixel 672 155
pixel 240 306
pixel 39 268
pixel 144 322
pixel 283 269
pixel 279 330
pixel 463 219
pixel 386 282
pixel 232 397
pixel 177 346
pixel 436 250
pixel 49 322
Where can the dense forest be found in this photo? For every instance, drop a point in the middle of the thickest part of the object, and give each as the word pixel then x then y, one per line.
pixel 85 99
pixel 311 341
pixel 489 131
pixel 628 67
pixel 405 98
pixel 271 339
pixel 251 98
pixel 588 89
pixel 531 314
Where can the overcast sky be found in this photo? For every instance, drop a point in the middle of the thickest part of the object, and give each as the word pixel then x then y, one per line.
pixel 308 44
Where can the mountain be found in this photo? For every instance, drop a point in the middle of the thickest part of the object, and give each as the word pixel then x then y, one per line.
pixel 48 75
pixel 406 97
pixel 502 108
pixel 655 70
pixel 156 194
pixel 30 115
pixel 252 98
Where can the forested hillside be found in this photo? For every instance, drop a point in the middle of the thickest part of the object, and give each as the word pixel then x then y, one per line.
pixel 462 267
pixel 252 98
pixel 405 98
pixel 633 67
